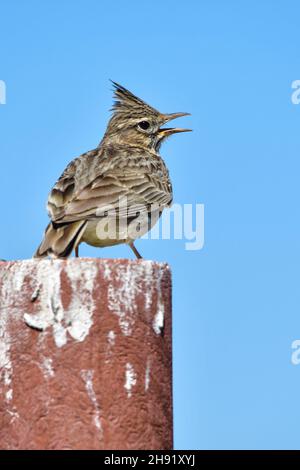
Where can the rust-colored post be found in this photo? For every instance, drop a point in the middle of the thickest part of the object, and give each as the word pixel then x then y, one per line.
pixel 85 355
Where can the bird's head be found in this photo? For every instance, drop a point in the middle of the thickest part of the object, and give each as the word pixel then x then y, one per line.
pixel 134 122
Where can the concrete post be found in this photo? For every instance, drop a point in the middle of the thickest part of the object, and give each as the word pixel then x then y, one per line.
pixel 85 355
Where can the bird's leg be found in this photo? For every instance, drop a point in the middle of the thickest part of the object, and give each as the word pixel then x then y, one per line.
pixel 77 251
pixel 135 251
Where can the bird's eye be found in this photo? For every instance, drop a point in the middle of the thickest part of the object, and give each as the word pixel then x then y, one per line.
pixel 144 125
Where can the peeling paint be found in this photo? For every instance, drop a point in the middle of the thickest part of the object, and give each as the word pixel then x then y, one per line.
pixel 12 280
pixel 158 322
pixel 87 376
pixel 122 293
pixel 77 319
pixel 46 280
pixel 80 312
pixel 37 322
pixel 13 276
pixel 130 379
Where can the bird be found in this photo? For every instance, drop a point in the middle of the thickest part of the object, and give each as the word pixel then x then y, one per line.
pixel 125 166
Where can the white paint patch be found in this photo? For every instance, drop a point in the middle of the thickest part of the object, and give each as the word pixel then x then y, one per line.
pixel 60 335
pixel 130 379
pixel 14 415
pixel 13 277
pixel 37 322
pixel 87 376
pixel 47 294
pixel 9 395
pixel 149 285
pixel 111 341
pixel 47 367
pixel 111 336
pixel 158 322
pixel 147 375
pixel 80 312
pixel 107 270
pixel 159 318
pixel 35 294
pixel 76 320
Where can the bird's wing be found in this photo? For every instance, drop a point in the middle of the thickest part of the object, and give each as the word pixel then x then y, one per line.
pixel 96 182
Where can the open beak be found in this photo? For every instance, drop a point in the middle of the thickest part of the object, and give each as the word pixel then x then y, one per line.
pixel 166 131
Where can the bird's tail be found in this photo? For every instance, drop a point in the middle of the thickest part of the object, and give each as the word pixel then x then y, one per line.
pixel 60 239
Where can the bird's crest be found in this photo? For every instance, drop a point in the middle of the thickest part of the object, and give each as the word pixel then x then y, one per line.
pixel 125 101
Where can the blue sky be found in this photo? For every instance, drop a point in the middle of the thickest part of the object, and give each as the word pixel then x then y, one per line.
pixel 231 64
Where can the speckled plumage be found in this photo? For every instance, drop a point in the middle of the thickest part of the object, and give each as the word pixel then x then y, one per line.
pixel 126 164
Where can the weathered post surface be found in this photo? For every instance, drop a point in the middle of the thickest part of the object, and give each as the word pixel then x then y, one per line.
pixel 85 355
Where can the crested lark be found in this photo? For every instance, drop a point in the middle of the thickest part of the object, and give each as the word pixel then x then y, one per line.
pixel 126 166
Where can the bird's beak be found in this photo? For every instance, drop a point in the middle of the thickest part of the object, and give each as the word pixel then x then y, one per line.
pixel 170 117
pixel 166 131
